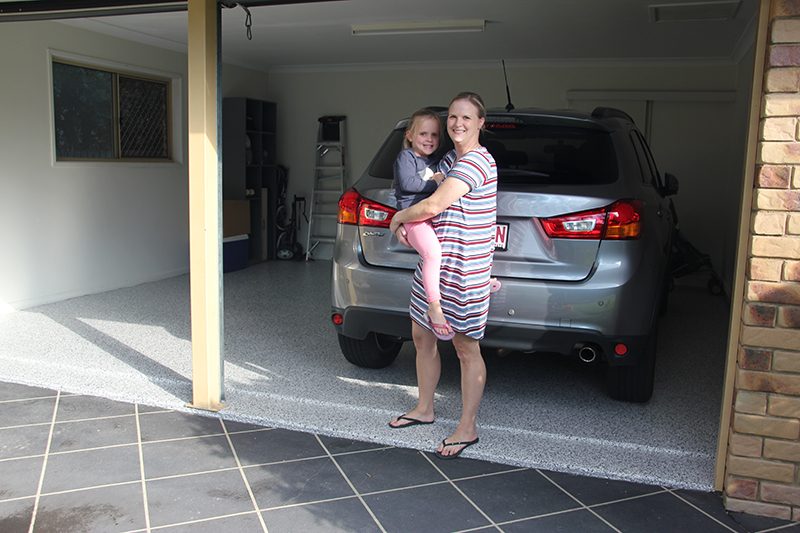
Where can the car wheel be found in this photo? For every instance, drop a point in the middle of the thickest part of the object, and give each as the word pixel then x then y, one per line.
pixel 634 383
pixel 375 351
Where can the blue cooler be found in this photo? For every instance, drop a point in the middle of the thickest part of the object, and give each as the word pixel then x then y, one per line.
pixel 235 250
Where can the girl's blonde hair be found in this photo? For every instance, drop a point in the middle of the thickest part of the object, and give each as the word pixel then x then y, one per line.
pixel 416 118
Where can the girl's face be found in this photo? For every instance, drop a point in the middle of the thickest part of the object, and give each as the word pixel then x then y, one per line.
pixel 424 136
pixel 463 123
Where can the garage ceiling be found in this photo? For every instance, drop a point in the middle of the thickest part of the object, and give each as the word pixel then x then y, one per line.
pixel 320 34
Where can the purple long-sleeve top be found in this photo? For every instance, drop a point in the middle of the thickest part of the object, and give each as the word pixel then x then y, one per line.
pixel 409 185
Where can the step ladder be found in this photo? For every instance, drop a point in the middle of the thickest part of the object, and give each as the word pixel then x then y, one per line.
pixel 329 178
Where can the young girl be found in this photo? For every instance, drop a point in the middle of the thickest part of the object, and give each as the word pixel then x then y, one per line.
pixel 415 178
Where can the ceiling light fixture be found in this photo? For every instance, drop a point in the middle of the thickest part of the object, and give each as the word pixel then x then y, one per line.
pixel 426 26
pixel 688 12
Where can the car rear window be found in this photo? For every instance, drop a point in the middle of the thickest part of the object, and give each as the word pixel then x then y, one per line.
pixel 531 154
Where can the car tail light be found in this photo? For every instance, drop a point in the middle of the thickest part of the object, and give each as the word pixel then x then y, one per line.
pixel 348 207
pixel 355 209
pixel 620 220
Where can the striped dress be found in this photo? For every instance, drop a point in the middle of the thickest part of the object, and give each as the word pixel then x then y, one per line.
pixel 466 231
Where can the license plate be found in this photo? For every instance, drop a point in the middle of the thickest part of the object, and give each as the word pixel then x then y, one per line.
pixel 501 237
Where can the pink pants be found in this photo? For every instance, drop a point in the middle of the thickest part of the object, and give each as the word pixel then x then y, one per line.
pixel 422 237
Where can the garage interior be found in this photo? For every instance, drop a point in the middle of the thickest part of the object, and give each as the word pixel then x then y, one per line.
pixel 685 81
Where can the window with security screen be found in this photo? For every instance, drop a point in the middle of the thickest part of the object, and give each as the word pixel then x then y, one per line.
pixel 105 115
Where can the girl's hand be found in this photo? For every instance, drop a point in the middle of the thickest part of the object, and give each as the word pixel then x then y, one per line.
pixel 438 177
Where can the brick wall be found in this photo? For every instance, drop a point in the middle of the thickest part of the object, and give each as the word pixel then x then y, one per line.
pixel 763 462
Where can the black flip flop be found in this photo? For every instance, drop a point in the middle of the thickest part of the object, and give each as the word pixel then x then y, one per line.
pixel 465 444
pixel 411 422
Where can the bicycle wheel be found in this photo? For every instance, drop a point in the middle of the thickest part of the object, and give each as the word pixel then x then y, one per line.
pixel 283 248
pixel 281 219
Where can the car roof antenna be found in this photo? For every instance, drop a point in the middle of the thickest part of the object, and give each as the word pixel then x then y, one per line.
pixel 509 105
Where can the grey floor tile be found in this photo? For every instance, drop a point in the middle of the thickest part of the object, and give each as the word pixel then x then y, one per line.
pixel 336 445
pixel 388 469
pixel 152 409
pixel 515 495
pixel 468 467
pixel 181 499
pixel 591 491
pixel 275 445
pixel 22 441
pixel 174 425
pixel 235 427
pixel 15 391
pixel 296 482
pixel 15 516
pixel 569 522
pixel 244 523
pixel 27 412
pixel 82 407
pixel 20 477
pixel 340 516
pixel 424 509
pixel 93 434
pixel 78 470
pixel 186 456
pixel 657 513
pixel 119 508
pixel 711 503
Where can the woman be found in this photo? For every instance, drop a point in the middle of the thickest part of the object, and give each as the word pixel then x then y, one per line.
pixel 463 212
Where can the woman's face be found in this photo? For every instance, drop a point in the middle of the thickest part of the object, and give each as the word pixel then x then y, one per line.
pixel 424 136
pixel 463 123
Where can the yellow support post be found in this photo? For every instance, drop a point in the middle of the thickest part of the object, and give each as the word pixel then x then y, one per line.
pixel 205 249
pixel 739 282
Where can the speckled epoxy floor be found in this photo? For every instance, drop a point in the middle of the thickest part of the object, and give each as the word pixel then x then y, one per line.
pixel 283 369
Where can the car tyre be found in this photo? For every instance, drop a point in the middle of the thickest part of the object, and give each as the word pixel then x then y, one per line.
pixel 375 351
pixel 634 383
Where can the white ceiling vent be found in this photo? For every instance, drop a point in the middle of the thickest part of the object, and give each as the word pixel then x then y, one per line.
pixel 721 10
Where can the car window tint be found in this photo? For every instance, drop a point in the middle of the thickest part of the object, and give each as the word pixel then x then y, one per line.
pixel 531 154
pixel 550 154
pixel 383 164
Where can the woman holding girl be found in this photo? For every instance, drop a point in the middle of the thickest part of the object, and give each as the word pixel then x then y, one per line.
pixel 462 213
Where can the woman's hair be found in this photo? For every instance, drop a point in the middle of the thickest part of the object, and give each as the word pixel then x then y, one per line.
pixel 473 98
pixel 414 121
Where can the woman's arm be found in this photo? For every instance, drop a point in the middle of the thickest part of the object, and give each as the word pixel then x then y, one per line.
pixel 448 192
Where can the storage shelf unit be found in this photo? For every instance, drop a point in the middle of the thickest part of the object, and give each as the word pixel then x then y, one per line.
pixel 249 168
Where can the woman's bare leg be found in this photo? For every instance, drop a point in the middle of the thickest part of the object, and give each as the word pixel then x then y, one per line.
pixel 473 381
pixel 429 368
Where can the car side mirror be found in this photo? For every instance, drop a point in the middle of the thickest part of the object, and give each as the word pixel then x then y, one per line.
pixel 670 185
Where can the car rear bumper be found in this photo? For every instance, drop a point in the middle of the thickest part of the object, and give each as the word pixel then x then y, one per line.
pixel 359 322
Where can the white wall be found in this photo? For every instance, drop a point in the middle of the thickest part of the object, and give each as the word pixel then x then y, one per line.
pixel 373 99
pixel 72 228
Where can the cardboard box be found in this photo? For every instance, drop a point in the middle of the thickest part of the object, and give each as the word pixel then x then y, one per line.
pixel 235 217
pixel 235 250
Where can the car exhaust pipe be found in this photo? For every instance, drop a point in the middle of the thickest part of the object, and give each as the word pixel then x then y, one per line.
pixel 587 352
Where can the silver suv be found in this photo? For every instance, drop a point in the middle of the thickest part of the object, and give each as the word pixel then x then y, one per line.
pixel 584 231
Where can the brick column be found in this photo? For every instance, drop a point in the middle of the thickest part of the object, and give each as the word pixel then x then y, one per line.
pixel 763 461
